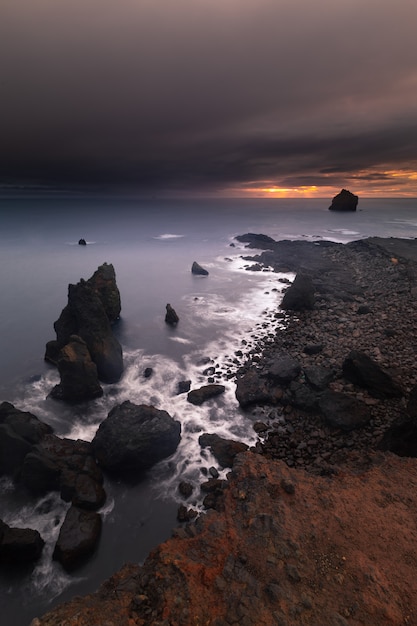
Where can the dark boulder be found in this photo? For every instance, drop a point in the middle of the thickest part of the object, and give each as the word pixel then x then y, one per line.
pixel 303 397
pixel 79 379
pixel 20 431
pixel 256 240
pixel 343 411
pixel 40 472
pixel 19 545
pixel 344 201
pixel 198 396
pixel 184 386
pixel 401 438
pixel 78 537
pixel 135 437
pixel 197 269
pixel 82 490
pixel 224 450
pixel 300 295
pixel 318 377
pixel 251 388
pixel 171 316
pixel 13 450
pixel 82 242
pixel 283 369
pixel 361 370
pixel 23 423
pixel 148 371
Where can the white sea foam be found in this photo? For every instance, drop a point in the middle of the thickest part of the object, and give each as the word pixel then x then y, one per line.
pixel 165 236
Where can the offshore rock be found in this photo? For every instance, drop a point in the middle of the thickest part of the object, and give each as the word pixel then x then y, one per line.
pixel 93 305
pixel 198 396
pixel 256 240
pixel 344 201
pixel 19 545
pixel 361 370
pixel 300 295
pixel 78 537
pixel 79 379
pixel 82 242
pixel 197 269
pixel 171 316
pixel 134 437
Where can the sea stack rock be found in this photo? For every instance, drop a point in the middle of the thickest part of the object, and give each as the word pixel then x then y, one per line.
pixel 344 201
pixel 82 242
pixel 171 317
pixel 198 270
pixel 93 306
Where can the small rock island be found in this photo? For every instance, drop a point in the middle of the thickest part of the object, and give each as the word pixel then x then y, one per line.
pixel 344 201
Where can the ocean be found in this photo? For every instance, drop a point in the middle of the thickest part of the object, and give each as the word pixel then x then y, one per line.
pixel 152 245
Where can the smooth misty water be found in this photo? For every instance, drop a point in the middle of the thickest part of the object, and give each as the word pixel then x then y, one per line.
pixel 152 246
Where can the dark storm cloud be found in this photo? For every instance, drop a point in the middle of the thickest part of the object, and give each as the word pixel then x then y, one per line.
pixel 205 94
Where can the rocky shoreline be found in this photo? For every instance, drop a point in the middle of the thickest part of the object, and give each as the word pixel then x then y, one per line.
pixel 311 520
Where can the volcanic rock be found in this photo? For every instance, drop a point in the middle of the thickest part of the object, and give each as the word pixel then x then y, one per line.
pixel 256 240
pixel 300 295
pixel 283 369
pixel 344 201
pixel 183 386
pixel 198 396
pixel 135 437
pixel 224 450
pixel 197 269
pixel 343 411
pixel 171 316
pixel 361 370
pixel 78 537
pixel 251 388
pixel 19 545
pixel 92 306
pixel 79 380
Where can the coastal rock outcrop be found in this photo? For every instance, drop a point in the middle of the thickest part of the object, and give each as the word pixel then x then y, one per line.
pixel 134 437
pixel 224 450
pixel 363 371
pixel 19 545
pixel 93 305
pixel 171 316
pixel 300 295
pixel 78 537
pixel 198 396
pixel 343 411
pixel 78 373
pixel 40 461
pixel 198 270
pixel 344 201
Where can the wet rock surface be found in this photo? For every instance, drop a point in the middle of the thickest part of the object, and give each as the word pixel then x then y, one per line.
pixel 134 437
pixel 93 306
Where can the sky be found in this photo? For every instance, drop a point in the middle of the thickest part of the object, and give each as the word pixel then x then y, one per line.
pixel 262 98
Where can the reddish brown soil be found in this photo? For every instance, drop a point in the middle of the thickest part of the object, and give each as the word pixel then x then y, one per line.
pixel 289 549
